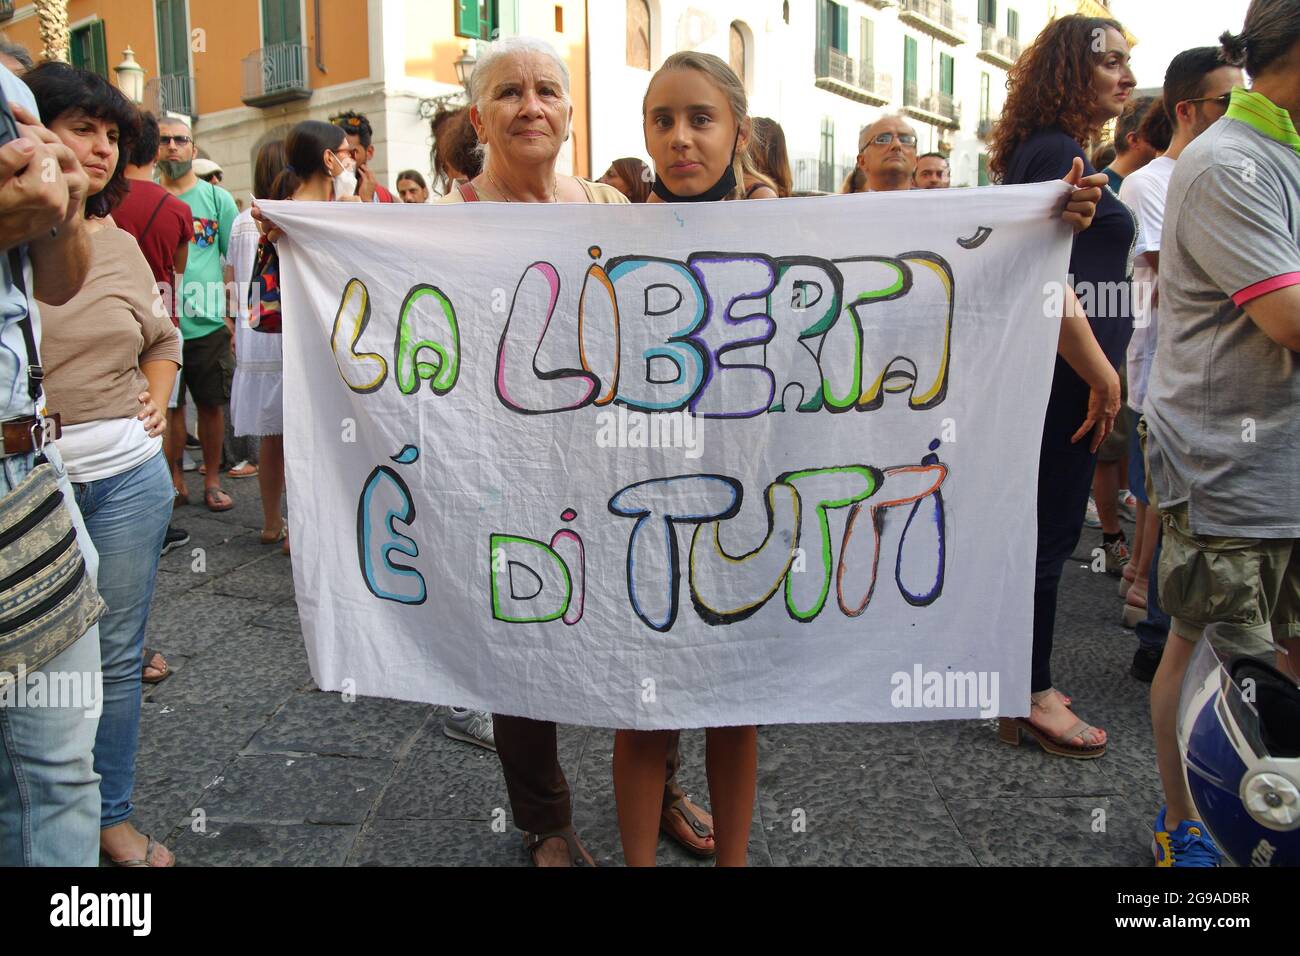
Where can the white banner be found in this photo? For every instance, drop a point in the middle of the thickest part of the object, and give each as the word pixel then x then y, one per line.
pixel 672 466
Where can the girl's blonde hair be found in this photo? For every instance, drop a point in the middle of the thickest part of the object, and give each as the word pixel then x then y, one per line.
pixel 726 80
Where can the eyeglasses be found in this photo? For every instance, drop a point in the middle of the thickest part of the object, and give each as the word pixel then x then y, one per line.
pixel 884 139
pixel 178 140
pixel 1225 100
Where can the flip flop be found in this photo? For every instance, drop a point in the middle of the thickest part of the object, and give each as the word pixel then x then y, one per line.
pixel 212 497
pixel 245 469
pixel 146 861
pixel 697 827
pixel 147 661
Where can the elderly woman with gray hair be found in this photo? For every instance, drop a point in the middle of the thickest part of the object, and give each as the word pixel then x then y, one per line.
pixel 521 110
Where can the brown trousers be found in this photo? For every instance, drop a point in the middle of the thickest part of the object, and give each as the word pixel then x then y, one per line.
pixel 539 793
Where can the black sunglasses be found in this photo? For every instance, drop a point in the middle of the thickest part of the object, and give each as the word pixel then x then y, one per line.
pixel 178 140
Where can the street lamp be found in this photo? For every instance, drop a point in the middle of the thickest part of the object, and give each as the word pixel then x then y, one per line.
pixel 430 106
pixel 465 67
pixel 130 77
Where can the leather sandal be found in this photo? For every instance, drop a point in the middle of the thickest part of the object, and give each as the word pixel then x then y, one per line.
pixel 1010 730
pixel 698 827
pixel 578 855
pixel 146 861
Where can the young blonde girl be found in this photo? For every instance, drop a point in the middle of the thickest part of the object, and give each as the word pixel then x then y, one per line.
pixel 699 136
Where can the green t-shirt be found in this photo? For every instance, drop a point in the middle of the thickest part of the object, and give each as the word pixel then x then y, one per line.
pixel 203 291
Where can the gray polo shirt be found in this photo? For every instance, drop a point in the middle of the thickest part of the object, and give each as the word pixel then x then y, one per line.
pixel 1223 404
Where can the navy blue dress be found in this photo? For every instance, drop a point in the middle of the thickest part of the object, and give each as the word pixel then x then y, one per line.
pixel 1101 264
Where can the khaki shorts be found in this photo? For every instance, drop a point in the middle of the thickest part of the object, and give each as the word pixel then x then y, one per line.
pixel 1249 587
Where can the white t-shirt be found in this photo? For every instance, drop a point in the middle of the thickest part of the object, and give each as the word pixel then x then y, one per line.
pixel 1145 192
pixel 107 447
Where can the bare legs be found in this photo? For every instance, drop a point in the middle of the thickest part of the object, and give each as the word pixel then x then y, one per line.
pixel 212 432
pixel 1105 492
pixel 732 766
pixel 1165 688
pixel 270 477
pixel 174 445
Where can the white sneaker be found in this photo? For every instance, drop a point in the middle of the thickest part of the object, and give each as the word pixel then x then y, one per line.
pixel 1127 504
pixel 469 726
pixel 1090 517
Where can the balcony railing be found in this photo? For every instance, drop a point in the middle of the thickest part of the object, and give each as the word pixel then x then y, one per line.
pixel 936 17
pixel 171 93
pixel 6 9
pixel 997 48
pixel 834 65
pixel 813 175
pixel 277 74
pixel 838 73
pixel 880 85
pixel 937 108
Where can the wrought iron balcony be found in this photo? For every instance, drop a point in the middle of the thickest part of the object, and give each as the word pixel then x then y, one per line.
pixel 277 74
pixel 171 93
pixel 935 17
pixel 998 49
pixel 838 73
pixel 938 109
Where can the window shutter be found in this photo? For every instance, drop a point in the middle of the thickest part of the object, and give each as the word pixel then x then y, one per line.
pixel 1013 24
pixel 867 54
pixel 467 18
pixel 95 50
pixel 823 37
pixel 945 73
pixel 909 59
pixel 841 28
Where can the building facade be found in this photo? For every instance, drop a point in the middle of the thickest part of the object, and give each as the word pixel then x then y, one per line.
pixel 247 70
pixel 823 69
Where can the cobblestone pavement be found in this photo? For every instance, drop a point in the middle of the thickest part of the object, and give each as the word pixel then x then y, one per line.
pixel 244 762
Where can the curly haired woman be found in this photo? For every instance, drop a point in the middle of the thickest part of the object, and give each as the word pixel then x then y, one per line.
pixel 1065 87
pixel 1071 81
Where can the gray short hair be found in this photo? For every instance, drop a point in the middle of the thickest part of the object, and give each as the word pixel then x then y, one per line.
pixel 18 52
pixel 491 53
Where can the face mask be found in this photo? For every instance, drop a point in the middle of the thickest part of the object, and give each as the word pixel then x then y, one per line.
pixel 175 168
pixel 723 188
pixel 345 183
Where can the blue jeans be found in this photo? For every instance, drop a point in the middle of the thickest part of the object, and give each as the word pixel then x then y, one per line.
pixel 1154 629
pixel 49 791
pixel 127 517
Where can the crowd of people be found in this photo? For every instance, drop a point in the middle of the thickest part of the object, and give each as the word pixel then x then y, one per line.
pixel 119 269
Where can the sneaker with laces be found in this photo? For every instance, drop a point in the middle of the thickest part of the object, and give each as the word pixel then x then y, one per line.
pixel 1187 846
pixel 1090 517
pixel 469 726
pixel 1116 556
pixel 176 538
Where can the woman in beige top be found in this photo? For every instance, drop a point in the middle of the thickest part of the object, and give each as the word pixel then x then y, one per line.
pixel 107 352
